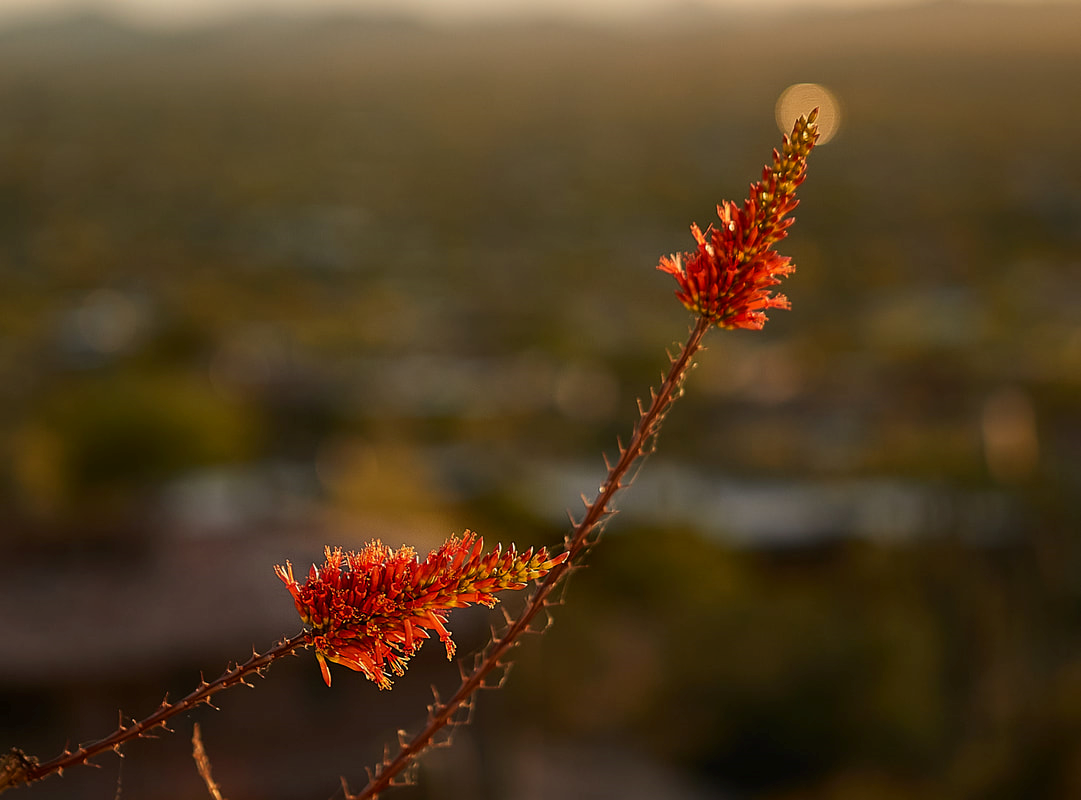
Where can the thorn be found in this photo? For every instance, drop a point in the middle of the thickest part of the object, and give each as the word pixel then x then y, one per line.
pixel 468 706
pixel 345 786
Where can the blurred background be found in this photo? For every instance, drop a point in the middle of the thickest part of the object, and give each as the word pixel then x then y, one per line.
pixel 276 281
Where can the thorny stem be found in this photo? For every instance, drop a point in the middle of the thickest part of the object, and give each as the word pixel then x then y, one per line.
pixel 18 769
pixel 28 770
pixel 578 541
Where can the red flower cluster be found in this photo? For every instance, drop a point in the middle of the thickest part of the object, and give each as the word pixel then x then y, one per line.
pixel 372 610
pixel 729 278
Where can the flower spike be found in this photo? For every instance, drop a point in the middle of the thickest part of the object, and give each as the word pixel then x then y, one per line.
pixel 728 279
pixel 370 611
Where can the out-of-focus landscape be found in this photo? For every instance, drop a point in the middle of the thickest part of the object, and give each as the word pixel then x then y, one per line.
pixel 281 283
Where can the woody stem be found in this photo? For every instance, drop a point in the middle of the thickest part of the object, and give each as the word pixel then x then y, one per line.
pixel 578 541
pixel 255 665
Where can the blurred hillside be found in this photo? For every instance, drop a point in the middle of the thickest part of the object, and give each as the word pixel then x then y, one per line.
pixel 282 283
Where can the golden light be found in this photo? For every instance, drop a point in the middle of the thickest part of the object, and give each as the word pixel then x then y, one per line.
pixel 1010 441
pixel 800 99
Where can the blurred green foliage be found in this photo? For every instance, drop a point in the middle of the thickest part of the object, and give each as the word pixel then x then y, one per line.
pixel 97 439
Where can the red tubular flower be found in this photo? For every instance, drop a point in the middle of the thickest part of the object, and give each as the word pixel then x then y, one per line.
pixel 372 610
pixel 729 278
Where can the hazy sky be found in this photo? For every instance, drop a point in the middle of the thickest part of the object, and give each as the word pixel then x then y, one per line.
pixel 189 11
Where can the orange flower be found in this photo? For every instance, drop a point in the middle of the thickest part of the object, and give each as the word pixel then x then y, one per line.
pixel 373 609
pixel 729 278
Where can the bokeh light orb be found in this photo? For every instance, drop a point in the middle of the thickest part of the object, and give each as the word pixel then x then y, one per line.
pixel 800 99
